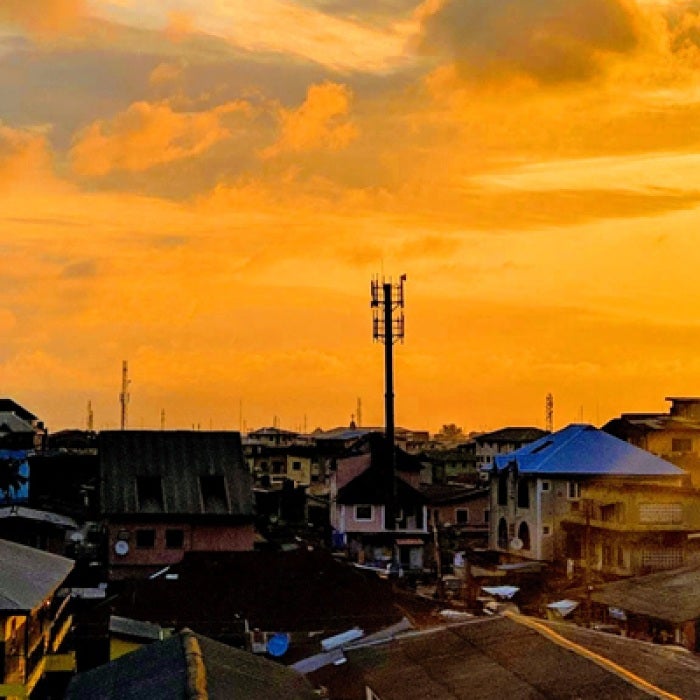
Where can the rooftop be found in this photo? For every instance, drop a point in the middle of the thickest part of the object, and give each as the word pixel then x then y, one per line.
pixel 29 576
pixel 508 657
pixel 581 449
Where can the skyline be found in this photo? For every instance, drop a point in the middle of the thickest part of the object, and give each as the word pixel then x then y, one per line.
pixel 195 189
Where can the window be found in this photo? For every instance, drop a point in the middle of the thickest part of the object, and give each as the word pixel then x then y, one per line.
pixel 502 534
pixel 145 539
pixel 610 512
pixel 524 535
pixel 174 539
pixel 213 490
pixel 277 467
pixel 462 516
pixel 681 445
pixel 487 514
pixel 523 493
pixel 574 490
pixel 149 491
pixel 296 466
pixel 546 530
pixel 363 512
pixel 545 485
pixel 621 557
pixel 607 555
pixel 503 489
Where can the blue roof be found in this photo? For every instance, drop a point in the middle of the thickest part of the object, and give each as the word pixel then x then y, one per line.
pixel 585 450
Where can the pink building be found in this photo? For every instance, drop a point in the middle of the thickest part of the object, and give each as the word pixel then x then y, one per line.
pixel 165 493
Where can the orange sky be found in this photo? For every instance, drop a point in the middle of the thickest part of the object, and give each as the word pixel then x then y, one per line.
pixel 205 189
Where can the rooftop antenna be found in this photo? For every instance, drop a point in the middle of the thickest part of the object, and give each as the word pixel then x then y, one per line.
pixel 90 417
pixel 124 395
pixel 162 419
pixel 549 413
pixel 388 327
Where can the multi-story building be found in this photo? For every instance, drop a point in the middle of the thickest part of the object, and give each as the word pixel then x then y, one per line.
pixel 362 499
pixel 34 620
pixel 673 436
pixel 488 445
pixel 584 497
pixel 164 493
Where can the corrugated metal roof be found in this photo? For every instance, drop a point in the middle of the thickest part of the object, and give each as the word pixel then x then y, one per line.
pixel 162 671
pixel 485 659
pixel 29 576
pixel 14 423
pixel 581 449
pixel 179 458
pixel 673 596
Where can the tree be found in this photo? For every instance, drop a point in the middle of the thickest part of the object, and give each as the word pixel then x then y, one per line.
pixel 450 431
pixel 11 481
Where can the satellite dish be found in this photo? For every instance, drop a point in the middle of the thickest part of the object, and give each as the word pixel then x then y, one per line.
pixel 77 537
pixel 277 644
pixel 121 547
pixel 516 543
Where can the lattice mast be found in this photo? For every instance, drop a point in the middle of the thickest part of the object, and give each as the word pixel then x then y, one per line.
pixel 388 328
pixel 124 395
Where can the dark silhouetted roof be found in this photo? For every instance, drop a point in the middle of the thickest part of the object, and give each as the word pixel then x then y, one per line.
pixel 371 487
pixel 673 596
pixel 275 591
pixel 486 659
pixel 179 458
pixel 10 406
pixel 171 669
pixel 512 434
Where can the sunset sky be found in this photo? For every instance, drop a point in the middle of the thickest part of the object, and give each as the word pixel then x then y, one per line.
pixel 205 188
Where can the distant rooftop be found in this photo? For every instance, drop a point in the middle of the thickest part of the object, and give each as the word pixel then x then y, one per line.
pixel 512 434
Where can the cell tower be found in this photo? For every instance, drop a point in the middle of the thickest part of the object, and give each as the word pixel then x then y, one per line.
pixel 90 417
pixel 124 395
pixel 549 413
pixel 359 412
pixel 388 328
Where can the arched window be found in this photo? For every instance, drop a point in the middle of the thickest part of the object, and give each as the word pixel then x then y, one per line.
pixel 524 535
pixel 523 493
pixel 502 534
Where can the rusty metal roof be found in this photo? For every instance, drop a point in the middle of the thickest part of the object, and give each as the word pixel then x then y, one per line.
pixel 180 458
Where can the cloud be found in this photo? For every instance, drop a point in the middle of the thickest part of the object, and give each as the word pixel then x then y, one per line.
pixel 25 156
pixel 550 41
pixel 320 122
pixel 43 17
pixel 149 134
pixel 165 73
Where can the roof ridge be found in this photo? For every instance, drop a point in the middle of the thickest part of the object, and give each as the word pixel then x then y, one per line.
pixel 194 663
pixel 602 661
pixel 575 429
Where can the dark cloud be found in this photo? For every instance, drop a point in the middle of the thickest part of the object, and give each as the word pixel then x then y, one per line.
pixel 552 41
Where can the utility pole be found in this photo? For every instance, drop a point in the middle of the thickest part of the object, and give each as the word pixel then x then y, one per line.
pixel 124 395
pixel 549 413
pixel 388 327
pixel 587 504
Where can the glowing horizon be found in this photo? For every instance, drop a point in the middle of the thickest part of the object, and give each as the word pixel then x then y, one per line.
pixel 201 192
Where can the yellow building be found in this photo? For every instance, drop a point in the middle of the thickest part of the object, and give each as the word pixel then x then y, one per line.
pixel 34 621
